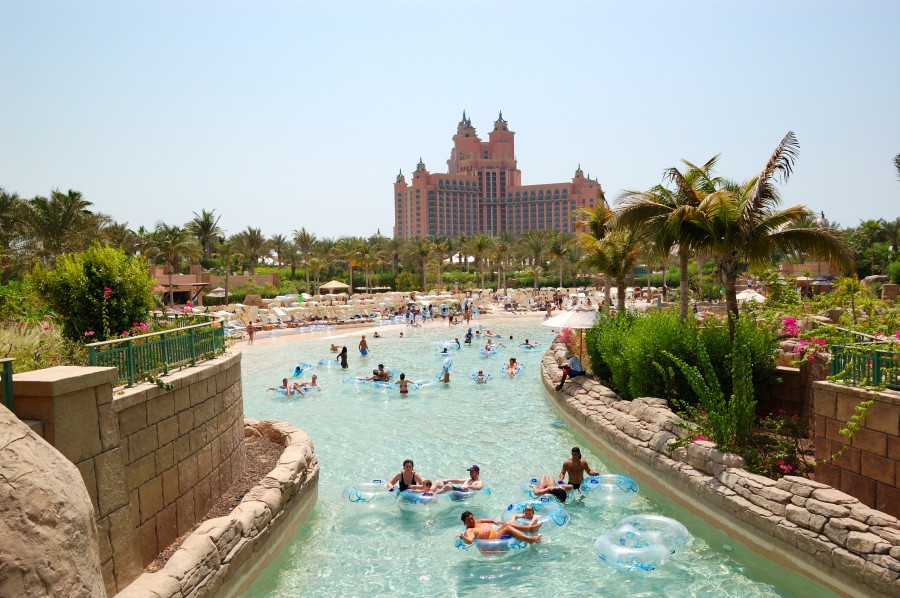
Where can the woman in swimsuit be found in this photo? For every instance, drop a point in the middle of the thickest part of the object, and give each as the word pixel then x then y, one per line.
pixel 406 478
pixel 483 529
pixel 403 384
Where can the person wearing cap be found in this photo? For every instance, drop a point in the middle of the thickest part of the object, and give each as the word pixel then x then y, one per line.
pixel 575 468
pixel 461 484
pixel 572 368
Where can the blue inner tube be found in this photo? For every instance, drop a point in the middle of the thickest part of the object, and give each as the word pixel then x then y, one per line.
pixel 609 486
pixel 329 362
pixel 549 513
pixel 527 489
pixel 300 368
pixel 641 542
pixel 445 311
pixel 447 365
pixel 369 493
pixel 483 379
pixel 504 369
pixel 500 548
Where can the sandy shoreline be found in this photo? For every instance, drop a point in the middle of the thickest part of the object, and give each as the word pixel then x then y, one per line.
pixel 348 330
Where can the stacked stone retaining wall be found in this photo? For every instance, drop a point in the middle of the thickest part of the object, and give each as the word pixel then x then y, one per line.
pixel 222 557
pixel 152 460
pixel 807 525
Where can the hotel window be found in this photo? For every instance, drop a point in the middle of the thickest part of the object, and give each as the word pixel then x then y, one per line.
pixel 485 154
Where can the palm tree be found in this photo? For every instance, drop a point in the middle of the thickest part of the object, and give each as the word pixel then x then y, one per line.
pixel 851 287
pixel 253 245
pixel 439 246
pixel 891 231
pixel 227 251
pixel 12 234
pixel 171 245
pixel 502 248
pixel 347 250
pixel 278 243
pixel 419 250
pixel 55 223
pixel 305 241
pixel 610 251
pixel 480 245
pixel 560 246
pixel 535 244
pixel 657 215
pixel 205 229
pixel 740 224
pixel 119 235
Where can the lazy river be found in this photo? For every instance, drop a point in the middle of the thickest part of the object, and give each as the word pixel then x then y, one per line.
pixel 512 432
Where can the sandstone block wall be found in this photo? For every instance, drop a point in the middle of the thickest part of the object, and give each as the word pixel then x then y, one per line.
pixel 181 449
pixel 223 556
pixel 151 460
pixel 810 526
pixel 869 463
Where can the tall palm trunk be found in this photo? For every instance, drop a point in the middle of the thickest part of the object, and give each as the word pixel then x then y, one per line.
pixel 171 288
pixel 620 289
pixel 684 284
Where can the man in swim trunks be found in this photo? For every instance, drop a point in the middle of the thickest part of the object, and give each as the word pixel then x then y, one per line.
pixel 363 346
pixel 483 529
pixel 575 468
pixel 461 484
pixel 383 374
pixel 468 340
pixel 406 478
pixel 311 383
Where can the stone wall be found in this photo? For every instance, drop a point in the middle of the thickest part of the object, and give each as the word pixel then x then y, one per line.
pixel 222 557
pixel 150 459
pixel 868 466
pixel 806 525
pixel 181 449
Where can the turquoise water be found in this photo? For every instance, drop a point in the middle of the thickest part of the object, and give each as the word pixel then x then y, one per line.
pixel 508 428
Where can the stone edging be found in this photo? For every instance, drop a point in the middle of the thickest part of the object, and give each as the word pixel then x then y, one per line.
pixel 233 549
pixel 822 532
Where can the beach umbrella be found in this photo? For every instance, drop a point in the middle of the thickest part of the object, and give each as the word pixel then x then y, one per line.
pixel 750 295
pixel 577 319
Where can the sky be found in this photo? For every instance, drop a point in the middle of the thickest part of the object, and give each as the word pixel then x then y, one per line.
pixel 281 115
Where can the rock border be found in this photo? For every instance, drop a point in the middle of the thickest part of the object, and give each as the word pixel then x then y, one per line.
pixel 223 556
pixel 821 532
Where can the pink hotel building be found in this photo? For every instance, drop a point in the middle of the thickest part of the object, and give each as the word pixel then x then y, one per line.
pixel 482 192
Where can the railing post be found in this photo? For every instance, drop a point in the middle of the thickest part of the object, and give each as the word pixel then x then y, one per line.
pixel 876 368
pixel 92 356
pixel 193 348
pixel 165 343
pixel 8 384
pixel 129 361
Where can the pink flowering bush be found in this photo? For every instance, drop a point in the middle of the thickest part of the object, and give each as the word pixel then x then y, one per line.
pixel 789 327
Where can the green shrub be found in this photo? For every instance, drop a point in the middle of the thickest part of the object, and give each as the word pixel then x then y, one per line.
pixel 633 354
pixel 97 293
pixel 893 272
pixel 407 281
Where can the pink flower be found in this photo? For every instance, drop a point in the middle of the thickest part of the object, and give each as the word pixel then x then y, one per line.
pixel 811 359
pixel 53 358
pixel 781 412
pixel 89 333
pixel 107 292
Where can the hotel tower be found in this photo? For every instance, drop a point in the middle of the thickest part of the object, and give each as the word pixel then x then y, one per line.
pixel 482 192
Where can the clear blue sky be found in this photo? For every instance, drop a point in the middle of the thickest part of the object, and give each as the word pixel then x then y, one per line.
pixel 288 114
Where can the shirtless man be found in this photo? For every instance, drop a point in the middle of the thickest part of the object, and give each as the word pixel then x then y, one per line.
pixel 483 529
pixel 461 484
pixel 363 346
pixel 310 383
pixel 575 467
pixel 383 374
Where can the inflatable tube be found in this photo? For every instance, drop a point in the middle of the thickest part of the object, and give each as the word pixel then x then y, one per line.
pixel 445 343
pixel 446 368
pixel 527 489
pixel 641 542
pixel 300 368
pixel 528 347
pixel 492 549
pixel 550 514
pixel 445 310
pixel 416 502
pixel 609 486
pixel 504 369
pixel 487 352
pixel 484 378
pixel 381 385
pixel 474 311
pixel 329 362
pixel 369 493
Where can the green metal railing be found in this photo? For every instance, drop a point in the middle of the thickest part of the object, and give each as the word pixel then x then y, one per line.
pixel 866 365
pixel 6 383
pixel 158 352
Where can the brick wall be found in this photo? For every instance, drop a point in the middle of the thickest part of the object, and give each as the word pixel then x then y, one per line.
pixel 152 461
pixel 180 449
pixel 868 466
